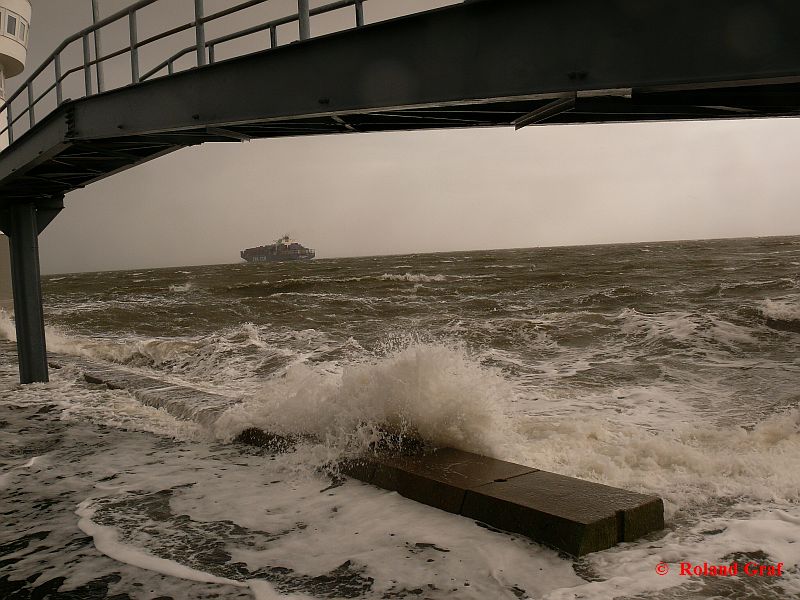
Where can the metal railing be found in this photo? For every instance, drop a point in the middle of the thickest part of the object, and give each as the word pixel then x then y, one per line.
pixel 205 50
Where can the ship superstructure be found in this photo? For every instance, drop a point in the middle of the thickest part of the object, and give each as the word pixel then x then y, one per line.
pixel 284 249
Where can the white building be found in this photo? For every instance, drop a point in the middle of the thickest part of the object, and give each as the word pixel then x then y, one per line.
pixel 15 19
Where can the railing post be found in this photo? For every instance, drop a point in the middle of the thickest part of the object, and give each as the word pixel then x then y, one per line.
pixel 59 88
pixel 97 51
pixel 31 113
pixel 359 13
pixel 273 37
pixel 200 32
pixel 87 69
pixel 211 54
pixel 170 68
pixel 134 38
pixel 304 19
pixel 10 123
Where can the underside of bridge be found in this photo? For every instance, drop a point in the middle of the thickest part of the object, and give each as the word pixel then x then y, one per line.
pixel 483 63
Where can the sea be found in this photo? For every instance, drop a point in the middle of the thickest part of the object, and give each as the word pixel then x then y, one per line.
pixel 664 368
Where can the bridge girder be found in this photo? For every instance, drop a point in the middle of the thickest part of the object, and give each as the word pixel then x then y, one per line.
pixel 481 63
pixel 478 64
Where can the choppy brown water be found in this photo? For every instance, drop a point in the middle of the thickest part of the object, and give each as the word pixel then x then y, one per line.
pixel 670 368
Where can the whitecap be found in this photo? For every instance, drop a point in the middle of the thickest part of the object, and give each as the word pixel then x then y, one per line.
pixel 783 310
pixel 413 277
pixel 182 287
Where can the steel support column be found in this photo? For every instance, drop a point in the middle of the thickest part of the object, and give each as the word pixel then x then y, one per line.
pixel 22 223
pixel 23 232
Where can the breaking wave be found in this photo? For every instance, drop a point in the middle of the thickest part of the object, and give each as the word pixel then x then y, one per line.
pixel 137 352
pixel 684 328
pixel 783 310
pixel 783 314
pixel 433 392
pixel 182 287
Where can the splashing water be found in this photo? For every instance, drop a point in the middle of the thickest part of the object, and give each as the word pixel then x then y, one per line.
pixel 431 391
pixel 672 371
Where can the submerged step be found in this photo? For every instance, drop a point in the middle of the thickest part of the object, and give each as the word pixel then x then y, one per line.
pixel 569 514
pixel 181 402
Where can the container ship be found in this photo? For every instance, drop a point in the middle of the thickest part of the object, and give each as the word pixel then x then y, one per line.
pixel 283 250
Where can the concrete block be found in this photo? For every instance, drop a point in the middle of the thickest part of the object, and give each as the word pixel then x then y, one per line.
pixel 569 514
pixel 358 468
pixel 440 478
pixel 254 436
pixel 644 518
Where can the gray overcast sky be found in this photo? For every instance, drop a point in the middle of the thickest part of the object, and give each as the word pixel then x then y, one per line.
pixel 421 192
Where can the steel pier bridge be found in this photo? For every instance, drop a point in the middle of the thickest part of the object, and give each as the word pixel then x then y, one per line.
pixel 478 63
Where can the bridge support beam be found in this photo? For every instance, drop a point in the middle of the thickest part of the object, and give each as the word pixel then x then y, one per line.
pixel 22 223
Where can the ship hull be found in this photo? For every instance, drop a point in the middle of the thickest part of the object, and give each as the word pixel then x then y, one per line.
pixel 271 259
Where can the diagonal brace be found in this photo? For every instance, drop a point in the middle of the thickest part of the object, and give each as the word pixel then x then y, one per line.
pixel 543 113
